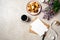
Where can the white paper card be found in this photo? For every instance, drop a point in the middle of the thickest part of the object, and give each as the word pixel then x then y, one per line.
pixel 39 27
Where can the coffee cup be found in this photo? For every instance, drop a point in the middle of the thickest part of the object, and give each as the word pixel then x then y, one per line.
pixel 24 18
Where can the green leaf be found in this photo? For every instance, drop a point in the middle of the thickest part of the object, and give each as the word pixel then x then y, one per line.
pixel 56 6
pixel 48 0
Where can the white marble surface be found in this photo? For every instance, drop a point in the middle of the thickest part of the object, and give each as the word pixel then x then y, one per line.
pixel 11 26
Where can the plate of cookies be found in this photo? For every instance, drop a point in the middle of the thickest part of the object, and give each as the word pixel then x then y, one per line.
pixel 33 7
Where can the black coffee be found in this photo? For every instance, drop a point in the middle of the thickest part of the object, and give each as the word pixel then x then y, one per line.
pixel 24 17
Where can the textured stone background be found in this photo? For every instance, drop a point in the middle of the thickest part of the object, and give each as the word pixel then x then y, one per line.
pixel 11 26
